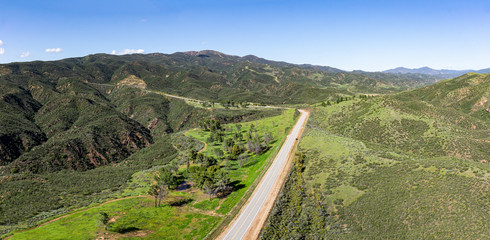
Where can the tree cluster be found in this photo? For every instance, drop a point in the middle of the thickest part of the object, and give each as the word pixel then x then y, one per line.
pixel 213 180
pixel 232 103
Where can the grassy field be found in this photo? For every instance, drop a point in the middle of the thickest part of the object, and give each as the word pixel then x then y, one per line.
pixel 129 218
pixel 186 214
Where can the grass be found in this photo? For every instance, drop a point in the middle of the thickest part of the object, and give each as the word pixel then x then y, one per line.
pixel 134 217
pixel 210 204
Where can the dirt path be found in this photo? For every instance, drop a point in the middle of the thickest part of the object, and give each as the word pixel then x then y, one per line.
pixel 204 148
pixel 81 210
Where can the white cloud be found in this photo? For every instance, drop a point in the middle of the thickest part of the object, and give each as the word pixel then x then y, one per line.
pixel 2 51
pixel 25 54
pixel 127 51
pixel 56 50
pixel 1 42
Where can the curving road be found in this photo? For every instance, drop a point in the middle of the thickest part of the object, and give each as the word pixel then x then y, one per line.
pixel 253 215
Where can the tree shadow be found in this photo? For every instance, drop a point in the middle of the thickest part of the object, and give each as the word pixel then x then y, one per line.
pixel 127 229
pixel 237 185
pixel 181 202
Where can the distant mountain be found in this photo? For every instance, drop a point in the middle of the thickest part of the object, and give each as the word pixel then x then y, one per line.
pixel 442 73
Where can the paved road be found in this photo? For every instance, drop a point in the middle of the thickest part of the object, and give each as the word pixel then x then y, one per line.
pixel 243 223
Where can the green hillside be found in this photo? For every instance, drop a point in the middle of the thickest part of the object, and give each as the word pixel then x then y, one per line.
pixel 413 165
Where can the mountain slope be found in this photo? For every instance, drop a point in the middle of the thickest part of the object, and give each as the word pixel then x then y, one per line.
pixel 449 118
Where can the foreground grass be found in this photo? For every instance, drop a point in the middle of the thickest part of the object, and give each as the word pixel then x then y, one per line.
pixel 137 216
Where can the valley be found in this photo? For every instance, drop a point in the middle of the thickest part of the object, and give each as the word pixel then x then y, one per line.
pixel 383 155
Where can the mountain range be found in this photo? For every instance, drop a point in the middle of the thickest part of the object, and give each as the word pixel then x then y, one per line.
pixel 442 73
pixel 80 113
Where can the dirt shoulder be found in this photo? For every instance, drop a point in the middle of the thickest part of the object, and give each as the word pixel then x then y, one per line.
pixel 260 219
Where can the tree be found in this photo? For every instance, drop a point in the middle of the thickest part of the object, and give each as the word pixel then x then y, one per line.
pixel 221 182
pixel 242 159
pixel 191 156
pixel 158 192
pixel 163 192
pixel 209 188
pixel 218 152
pixel 235 151
pixel 104 219
pixel 165 177
pixel 238 127
pixel 212 180
pixel 210 161
pixel 267 138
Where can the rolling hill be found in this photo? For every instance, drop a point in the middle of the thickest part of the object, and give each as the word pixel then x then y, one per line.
pixel 412 165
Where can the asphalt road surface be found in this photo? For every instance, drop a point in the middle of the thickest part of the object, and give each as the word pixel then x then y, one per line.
pixel 243 223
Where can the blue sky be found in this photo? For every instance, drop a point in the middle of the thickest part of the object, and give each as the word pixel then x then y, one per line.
pixel 366 35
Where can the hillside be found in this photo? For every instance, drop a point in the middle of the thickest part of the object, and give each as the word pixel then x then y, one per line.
pixel 447 118
pixel 413 165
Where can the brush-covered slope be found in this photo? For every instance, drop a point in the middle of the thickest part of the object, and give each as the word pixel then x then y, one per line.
pixel 67 124
pixel 413 165
pixel 468 94
pixel 449 118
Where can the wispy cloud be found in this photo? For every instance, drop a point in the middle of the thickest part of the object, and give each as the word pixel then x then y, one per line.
pixel 127 51
pixel 2 51
pixel 25 54
pixel 55 50
pixel 1 42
